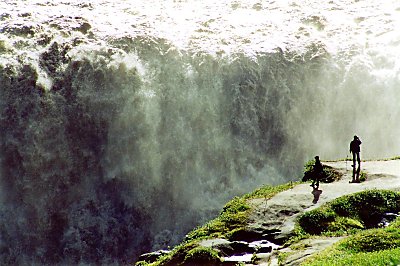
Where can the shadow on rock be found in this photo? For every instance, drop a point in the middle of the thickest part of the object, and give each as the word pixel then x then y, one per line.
pixel 317 193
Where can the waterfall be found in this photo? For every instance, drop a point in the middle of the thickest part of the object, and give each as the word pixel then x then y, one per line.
pixel 113 145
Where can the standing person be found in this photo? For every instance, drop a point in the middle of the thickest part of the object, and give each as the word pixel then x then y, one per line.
pixel 317 172
pixel 355 150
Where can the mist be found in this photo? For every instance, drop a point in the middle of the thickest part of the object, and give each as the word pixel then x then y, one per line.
pixel 111 147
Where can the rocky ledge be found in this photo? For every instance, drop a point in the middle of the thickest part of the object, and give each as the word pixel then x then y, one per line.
pixel 272 221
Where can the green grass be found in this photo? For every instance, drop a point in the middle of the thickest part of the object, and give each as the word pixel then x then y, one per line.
pixel 346 216
pixel 329 174
pixel 282 256
pixel 203 256
pixel 233 217
pixel 268 191
pixel 175 257
pixel 371 247
pixel 343 258
pixel 372 240
pixel 363 176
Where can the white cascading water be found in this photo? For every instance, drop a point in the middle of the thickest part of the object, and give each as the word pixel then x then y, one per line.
pixel 123 125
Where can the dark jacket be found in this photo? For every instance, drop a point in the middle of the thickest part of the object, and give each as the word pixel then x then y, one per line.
pixel 355 146
pixel 318 167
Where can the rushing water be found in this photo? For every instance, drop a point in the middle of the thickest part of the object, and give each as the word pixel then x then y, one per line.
pixel 125 124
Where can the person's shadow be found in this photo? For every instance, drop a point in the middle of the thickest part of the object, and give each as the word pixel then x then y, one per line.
pixel 316 192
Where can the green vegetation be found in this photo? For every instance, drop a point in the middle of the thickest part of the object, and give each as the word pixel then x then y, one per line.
pixel 232 218
pixel 328 175
pixel 235 214
pixel 336 257
pixel 282 256
pixel 348 215
pixel 363 176
pixel 202 255
pixel 356 216
pixel 174 258
pixel 355 211
pixel 370 247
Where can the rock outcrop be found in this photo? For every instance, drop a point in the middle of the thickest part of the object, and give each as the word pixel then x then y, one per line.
pixel 272 221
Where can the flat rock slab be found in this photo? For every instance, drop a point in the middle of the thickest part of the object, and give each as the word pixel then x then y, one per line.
pixel 279 213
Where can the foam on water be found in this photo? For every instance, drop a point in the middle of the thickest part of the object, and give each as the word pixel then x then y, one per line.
pixel 227 26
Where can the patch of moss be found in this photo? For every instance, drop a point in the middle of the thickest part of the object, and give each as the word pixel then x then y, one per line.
pixel 378 247
pixel 328 175
pixel 395 224
pixel 268 191
pixel 356 211
pixel 234 215
pixel 282 256
pixel 332 256
pixel 317 220
pixel 309 166
pixel 344 224
pixel 372 240
pixel 367 206
pixel 374 246
pixel 363 176
pixel 174 258
pixel 202 256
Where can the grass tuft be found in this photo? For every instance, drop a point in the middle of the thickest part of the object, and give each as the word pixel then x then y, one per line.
pixel 355 211
pixel 328 175
pixel 373 246
pixel 202 256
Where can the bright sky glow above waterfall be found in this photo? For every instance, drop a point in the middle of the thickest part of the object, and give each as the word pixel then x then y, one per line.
pixel 228 25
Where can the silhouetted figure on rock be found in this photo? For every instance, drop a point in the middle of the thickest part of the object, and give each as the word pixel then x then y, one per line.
pixel 317 172
pixel 355 150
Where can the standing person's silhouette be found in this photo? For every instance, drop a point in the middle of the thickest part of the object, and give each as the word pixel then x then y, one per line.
pixel 318 169
pixel 355 150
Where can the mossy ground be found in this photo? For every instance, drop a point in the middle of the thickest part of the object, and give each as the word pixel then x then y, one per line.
pixel 232 218
pixel 377 247
pixel 356 217
pixel 328 173
pixel 234 215
pixel 356 211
